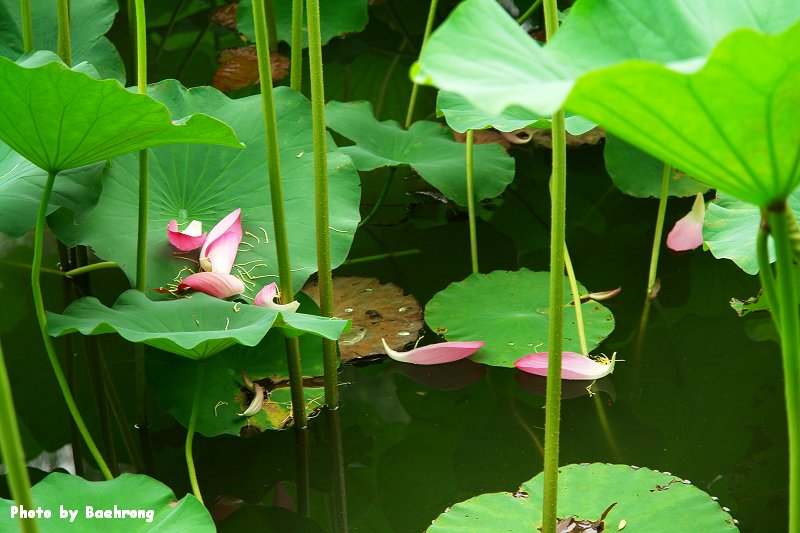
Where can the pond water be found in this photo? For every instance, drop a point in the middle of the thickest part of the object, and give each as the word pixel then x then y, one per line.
pixel 699 394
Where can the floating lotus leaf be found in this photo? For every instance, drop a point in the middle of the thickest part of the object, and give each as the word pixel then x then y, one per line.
pixel 128 492
pixel 196 327
pixel 206 183
pixel 428 147
pixel 89 21
pixel 645 501
pixel 510 312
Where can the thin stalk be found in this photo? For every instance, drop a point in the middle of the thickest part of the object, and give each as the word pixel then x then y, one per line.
pixel 90 268
pixel 170 27
pixel 63 46
pixel 190 433
pixel 380 257
pixel 122 420
pixel 790 350
pixel 329 347
pixel 13 453
pixel 473 235
pixel 525 16
pixel 303 475
pixel 765 271
pixel 662 210
pixel 27 26
pixel 555 336
pixel 193 49
pixel 272 28
pixel 412 102
pixel 38 303
pixel 278 208
pixel 576 301
pixel 381 197
pixel 99 396
pixel 296 63
pixel 337 464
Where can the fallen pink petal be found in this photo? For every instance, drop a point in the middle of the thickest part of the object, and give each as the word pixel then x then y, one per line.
pixel 213 283
pixel 573 365
pixel 191 238
pixel 266 298
pixel 604 295
pixel 222 243
pixel 434 354
pixel 687 234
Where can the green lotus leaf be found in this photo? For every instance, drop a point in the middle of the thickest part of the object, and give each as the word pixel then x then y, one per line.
pixel 426 146
pixel 337 17
pixel 462 116
pixel 60 119
pixel 638 174
pixel 760 303
pixel 730 229
pixel 513 321
pixel 645 500
pixel 206 183
pixel 196 327
pixel 126 492
pixel 21 185
pixel 89 21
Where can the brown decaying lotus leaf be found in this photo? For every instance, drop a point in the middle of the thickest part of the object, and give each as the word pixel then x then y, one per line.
pixel 238 68
pixel 484 137
pixel 376 310
pixel 226 15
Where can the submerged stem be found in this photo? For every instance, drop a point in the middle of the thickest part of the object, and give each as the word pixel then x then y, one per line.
pixel 473 236
pixel 27 26
pixel 662 210
pixel 412 102
pixel 190 433
pixel 12 451
pixel 38 304
pixel 790 349
pixel 296 62
pixel 576 301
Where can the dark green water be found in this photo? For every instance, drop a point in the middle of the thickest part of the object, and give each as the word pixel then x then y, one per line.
pixel 700 397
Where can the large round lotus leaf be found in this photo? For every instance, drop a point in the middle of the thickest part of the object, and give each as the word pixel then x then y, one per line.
pixel 462 116
pixel 206 183
pixel 337 17
pixel 196 327
pixel 509 311
pixel 127 492
pixel 639 174
pixel 59 118
pixel 730 229
pixel 21 184
pixel 426 146
pixel 647 501
pixel 89 21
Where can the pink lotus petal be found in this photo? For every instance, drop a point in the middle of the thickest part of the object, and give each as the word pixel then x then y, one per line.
pixel 573 365
pixel 687 234
pixel 433 354
pixel 266 298
pixel 189 239
pixel 220 254
pixel 231 223
pixel 213 283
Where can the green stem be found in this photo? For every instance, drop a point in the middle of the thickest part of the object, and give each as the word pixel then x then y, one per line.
pixel 765 271
pixel 303 475
pixel 63 45
pixel 473 235
pixel 119 415
pixel 99 397
pixel 170 28
pixel 38 302
pixel 193 49
pixel 662 210
pixel 296 64
pixel 329 348
pixel 190 433
pixel 412 102
pixel 337 464
pixel 27 26
pixel 379 257
pixel 278 208
pixel 12 450
pixel 381 197
pixel 90 268
pixel 790 350
pixel 525 16
pixel 272 28
pixel 555 337
pixel 576 301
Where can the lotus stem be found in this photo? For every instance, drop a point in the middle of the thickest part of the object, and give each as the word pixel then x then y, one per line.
pixel 329 347
pixel 337 464
pixel 190 433
pixel 13 453
pixel 303 476
pixel 38 303
pixel 765 271
pixel 90 268
pixel 27 26
pixel 790 348
pixel 122 420
pixel 525 16
pixel 555 336
pixel 379 257
pixel 576 301
pixel 381 197
pixel 193 48
pixel 173 17
pixel 272 28
pixel 278 209
pixel 296 61
pixel 473 236
pixel 63 44
pixel 662 210
pixel 412 102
